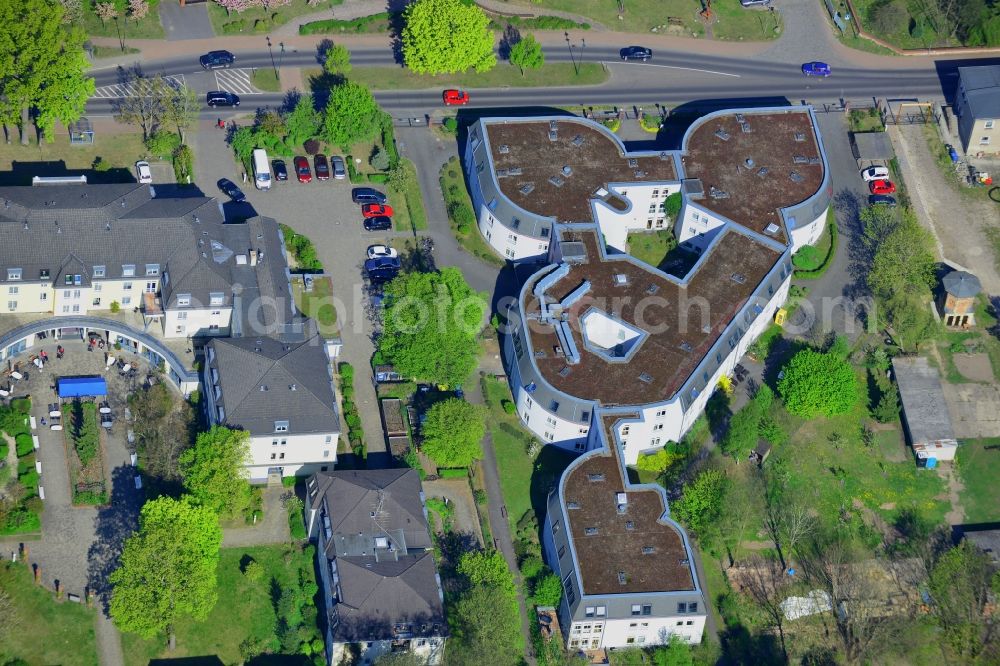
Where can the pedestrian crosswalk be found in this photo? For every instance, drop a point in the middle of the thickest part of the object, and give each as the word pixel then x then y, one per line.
pixel 120 90
pixel 237 81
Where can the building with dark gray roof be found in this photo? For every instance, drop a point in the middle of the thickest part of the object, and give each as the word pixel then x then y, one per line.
pixel 977 105
pixel 379 583
pixel 925 412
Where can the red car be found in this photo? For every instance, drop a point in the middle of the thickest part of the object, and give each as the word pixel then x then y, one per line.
pixel 374 210
pixel 882 187
pixel 455 97
pixel 322 167
pixel 302 169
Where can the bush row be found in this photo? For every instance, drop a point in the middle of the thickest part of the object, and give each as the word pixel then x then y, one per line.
pixel 355 433
pixel 374 23
pixel 831 223
pixel 537 23
pixel 302 249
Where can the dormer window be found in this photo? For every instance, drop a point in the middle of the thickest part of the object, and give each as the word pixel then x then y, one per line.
pixel 13 273
pixel 281 426
pixel 100 271
pixel 128 270
pixel 183 300
pixel 152 269
pixel 216 298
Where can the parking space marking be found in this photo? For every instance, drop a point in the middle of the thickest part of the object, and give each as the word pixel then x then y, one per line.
pixel 236 81
pixel 119 90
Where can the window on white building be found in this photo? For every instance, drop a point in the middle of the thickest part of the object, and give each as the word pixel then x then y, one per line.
pixel 44 296
pixel 128 270
pixel 12 290
pixel 11 305
pixel 660 414
pixel 216 298
pixel 127 286
pixel 281 426
pixel 326 453
pixel 183 300
pixel 636 609
pixel 126 300
pixel 152 269
pixel 13 273
pixel 984 141
pixel 657 426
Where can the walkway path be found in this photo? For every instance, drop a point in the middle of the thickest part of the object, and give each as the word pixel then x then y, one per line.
pixel 499 524
pixel 273 528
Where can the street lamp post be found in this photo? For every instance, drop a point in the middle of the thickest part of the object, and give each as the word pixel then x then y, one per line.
pixel 281 54
pixel 572 58
pixel 271 51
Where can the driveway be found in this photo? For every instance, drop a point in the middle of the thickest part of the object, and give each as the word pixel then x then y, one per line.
pixel 459 496
pixel 185 22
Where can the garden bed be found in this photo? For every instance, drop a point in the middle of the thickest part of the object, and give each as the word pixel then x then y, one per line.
pixel 84 453
pixel 259 20
pixel 461 216
pixel 18 474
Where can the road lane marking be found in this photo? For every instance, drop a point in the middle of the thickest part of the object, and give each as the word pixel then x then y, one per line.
pixel 119 90
pixel 689 69
pixel 235 80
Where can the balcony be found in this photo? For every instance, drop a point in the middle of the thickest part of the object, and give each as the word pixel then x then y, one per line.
pixel 152 307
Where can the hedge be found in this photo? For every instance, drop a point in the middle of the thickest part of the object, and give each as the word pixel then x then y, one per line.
pixel 831 223
pixel 363 24
pixel 378 178
pixel 459 473
pixel 25 445
pixel 537 23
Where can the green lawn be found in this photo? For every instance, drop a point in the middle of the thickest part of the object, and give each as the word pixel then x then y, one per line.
pixel 245 610
pixel 259 19
pixel 866 120
pixel 265 79
pixel 98 51
pixel 979 467
pixel 318 304
pixel 407 205
pixel 918 32
pixel 737 23
pixel 19 163
pixel 453 190
pixel 503 75
pixel 46 631
pixel 125 28
pixel 651 247
pixel 525 481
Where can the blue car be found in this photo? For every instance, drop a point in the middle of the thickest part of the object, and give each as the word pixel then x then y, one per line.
pixel 816 69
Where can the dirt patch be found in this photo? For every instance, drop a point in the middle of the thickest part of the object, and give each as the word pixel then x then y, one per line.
pixel 958 222
pixel 974 409
pixel 458 493
pixel 974 367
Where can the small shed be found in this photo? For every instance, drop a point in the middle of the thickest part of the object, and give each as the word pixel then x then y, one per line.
pixel 925 413
pixel 81 133
pixel 870 148
pixel 82 387
pixel 958 304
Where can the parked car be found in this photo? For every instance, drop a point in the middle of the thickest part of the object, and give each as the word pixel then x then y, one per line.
pixel 881 200
pixel 322 167
pixel 636 53
pixel 217 59
pixel 881 187
pixel 377 251
pixel 374 210
pixel 143 172
pixel 231 190
pixel 363 195
pixel 380 223
pixel 302 169
pixel 221 98
pixel 339 171
pixel 280 170
pixel 455 97
pixel 874 173
pixel 382 269
pixel 816 68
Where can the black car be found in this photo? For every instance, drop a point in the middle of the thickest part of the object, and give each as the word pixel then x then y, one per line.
pixel 380 223
pixel 636 53
pixel 231 190
pixel 322 167
pixel 363 195
pixel 221 98
pixel 881 200
pixel 280 170
pixel 382 269
pixel 217 59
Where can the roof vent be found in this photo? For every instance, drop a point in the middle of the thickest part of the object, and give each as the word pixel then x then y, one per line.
pixel 629 525
pixel 646 377
pixel 502 173
pixel 771 229
pixel 572 505
pixel 622 578
pixel 565 371
pixel 664 155
pixel 553 131
pixel 740 117
pixel 595 477
pixel 762 171
pixel 540 353
pixel 686 346
pixel 293 387
pixel 738 278
pixel 504 149
pixel 590 531
pixel 107 227
pixel 515 171
pixel 800 159
pixel 749 162
pixel 263 387
pixel 639 173
pixel 557 181
pixel 381 542
pixel 25 225
pixel 621 279
pixel 527 188
pixel 652 289
pixel 633 163
pixel 814 160
pixel 745 126
pixel 716 193
pixel 722 134
pixel 567 170
pixel 648 550
pixel 577 140
pixel 800 136
pixel 796 177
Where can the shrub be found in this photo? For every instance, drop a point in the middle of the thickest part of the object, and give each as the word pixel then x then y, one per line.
pixel 24 445
pixel 462 216
pixel 374 23
pixel 100 164
pixel 459 473
pixel 379 178
pixel 254 571
pixel 352 173
pixel 537 23
pixel 480 495
pixel 891 17
pixel 261 25
pixel 887 408
pixel 379 159
pixel 115 307
pixel 162 143
pixel 346 372
pixel 347 392
pixel 807 258
pixel 184 164
pixel 21 405
pixel 613 124
pixel 311 146
pixel 234 27
pixel 450 125
pixel 508 406
pixel 672 205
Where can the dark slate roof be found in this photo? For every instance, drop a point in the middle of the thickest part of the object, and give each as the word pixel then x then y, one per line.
pixel 982 90
pixel 376 538
pixel 924 408
pixel 961 284
pixel 264 380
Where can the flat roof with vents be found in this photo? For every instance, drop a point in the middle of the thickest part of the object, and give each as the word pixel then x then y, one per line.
pixel 621 552
pixel 562 164
pixel 751 165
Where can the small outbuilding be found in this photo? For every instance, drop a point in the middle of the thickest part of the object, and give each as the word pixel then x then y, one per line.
pixel 925 413
pixel 81 133
pixel 958 299
pixel 871 148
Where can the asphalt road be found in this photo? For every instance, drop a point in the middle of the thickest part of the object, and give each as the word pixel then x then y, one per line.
pixel 672 78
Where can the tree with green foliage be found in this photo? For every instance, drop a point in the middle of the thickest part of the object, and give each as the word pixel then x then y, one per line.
pixel 547 590
pixel 960 583
pixel 745 426
pixel 447 37
pixel 352 115
pixel 480 567
pixel 431 324
pixel 214 470
pixel 337 61
pixel 168 568
pixel 181 107
pixel 890 18
pixel 527 54
pixel 302 122
pixel 902 259
pixel 42 67
pixel 817 383
pixel 910 318
pixel 701 500
pixel 677 652
pixel 483 616
pixel 143 102
pixel 453 433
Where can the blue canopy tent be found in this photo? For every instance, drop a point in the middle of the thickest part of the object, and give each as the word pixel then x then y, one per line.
pixel 82 387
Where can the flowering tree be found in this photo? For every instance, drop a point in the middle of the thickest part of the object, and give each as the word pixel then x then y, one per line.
pixel 238 6
pixel 106 11
pixel 138 9
pixel 72 10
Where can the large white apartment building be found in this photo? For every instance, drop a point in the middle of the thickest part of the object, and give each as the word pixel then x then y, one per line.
pixel 596 333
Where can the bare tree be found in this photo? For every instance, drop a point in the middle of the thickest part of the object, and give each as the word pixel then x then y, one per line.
pixel 797 524
pixel 180 108
pixel 143 101
pixel 763 581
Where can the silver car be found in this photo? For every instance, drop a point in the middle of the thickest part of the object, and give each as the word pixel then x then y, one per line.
pixel 339 171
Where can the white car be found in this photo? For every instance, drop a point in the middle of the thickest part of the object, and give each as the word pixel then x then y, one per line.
pixel 376 251
pixel 143 172
pixel 875 173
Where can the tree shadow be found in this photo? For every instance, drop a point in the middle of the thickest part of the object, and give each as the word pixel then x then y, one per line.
pixel 114 524
pixel 511 36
